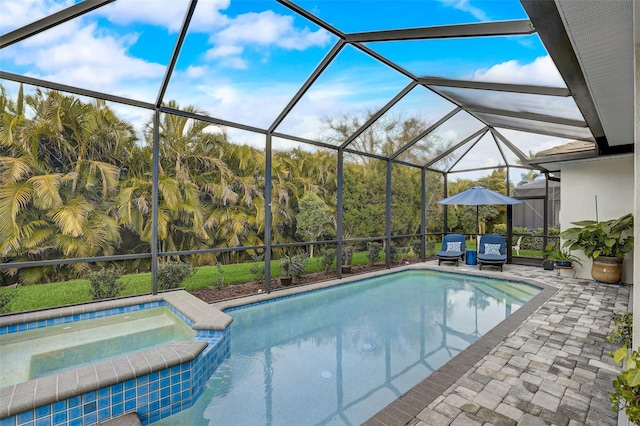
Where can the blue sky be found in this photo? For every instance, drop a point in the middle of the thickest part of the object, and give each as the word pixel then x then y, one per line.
pixel 244 60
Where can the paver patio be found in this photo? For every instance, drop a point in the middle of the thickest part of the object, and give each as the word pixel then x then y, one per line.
pixel 547 364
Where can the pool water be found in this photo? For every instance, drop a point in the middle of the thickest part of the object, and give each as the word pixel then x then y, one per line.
pixel 338 356
pixel 71 345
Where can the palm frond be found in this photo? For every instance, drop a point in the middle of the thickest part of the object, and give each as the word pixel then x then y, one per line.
pixel 71 218
pixel 14 169
pixel 14 199
pixel 46 191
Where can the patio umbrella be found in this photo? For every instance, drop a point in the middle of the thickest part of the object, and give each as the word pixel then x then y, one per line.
pixel 479 196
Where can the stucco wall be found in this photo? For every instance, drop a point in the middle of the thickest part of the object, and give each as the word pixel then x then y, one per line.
pixel 612 181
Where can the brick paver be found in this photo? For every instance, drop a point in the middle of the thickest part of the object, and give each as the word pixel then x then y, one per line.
pixel 551 368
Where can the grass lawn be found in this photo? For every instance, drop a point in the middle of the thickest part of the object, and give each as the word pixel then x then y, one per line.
pixel 79 290
pixel 76 291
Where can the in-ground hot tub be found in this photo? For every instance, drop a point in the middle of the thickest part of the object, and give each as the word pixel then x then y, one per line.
pixel 75 344
pixel 163 379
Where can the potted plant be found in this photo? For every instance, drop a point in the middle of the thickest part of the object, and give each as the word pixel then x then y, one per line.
pixel 626 386
pixel 561 257
pixel 291 267
pixel 347 255
pixel 561 260
pixel 604 243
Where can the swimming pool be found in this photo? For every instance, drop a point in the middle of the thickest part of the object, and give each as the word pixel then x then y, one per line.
pixel 339 355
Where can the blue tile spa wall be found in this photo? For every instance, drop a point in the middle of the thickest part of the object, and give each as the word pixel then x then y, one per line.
pixel 25 326
pixel 153 396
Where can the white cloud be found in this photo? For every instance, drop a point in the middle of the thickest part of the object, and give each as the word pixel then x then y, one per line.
pixel 465 6
pixel 166 13
pixel 542 71
pixel 89 58
pixel 225 95
pixel 17 13
pixel 227 56
pixel 223 51
pixel 260 30
pixel 326 92
pixel 196 71
pixel 269 28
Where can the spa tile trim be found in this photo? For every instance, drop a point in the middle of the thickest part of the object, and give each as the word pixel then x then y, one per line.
pixel 195 360
pixel 46 390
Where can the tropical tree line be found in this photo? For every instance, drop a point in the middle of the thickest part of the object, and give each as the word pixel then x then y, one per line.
pixel 76 181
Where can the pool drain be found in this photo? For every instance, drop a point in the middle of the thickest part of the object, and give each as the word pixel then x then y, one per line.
pixel 326 375
pixel 368 347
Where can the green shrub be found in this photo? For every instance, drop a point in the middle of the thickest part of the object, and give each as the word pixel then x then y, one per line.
pixel 219 277
pixel 257 269
pixel 622 333
pixel 399 252
pixel 373 251
pixel 347 255
pixel 104 283
pixel 171 274
pixel 5 299
pixel 293 266
pixel 328 257
pixel 626 386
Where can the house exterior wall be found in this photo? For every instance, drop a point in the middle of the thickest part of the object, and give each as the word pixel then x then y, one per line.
pixel 611 180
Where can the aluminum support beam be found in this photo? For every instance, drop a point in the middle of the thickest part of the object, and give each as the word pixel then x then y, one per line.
pixel 388 198
pixel 74 90
pixel 483 29
pixel 339 213
pixel 51 21
pixel 551 30
pixel 425 133
pixel 527 116
pixel 477 134
pixel 155 196
pixel 176 52
pixel 307 84
pixel 380 113
pixel 500 87
pixel 267 211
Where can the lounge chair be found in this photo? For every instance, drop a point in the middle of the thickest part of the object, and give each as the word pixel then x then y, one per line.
pixel 453 249
pixel 492 251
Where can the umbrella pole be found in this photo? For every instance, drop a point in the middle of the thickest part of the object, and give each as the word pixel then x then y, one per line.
pixel 477 229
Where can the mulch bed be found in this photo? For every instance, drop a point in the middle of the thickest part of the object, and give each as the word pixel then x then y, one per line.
pixel 234 291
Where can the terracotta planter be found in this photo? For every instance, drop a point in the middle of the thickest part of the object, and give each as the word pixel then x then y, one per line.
pixel 286 281
pixel 607 269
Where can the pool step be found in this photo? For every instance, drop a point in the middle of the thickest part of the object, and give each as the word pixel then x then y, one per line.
pixel 130 419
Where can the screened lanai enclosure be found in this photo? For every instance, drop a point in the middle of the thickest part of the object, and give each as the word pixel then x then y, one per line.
pixel 134 132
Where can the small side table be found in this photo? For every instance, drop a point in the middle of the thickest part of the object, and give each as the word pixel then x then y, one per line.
pixel 470 257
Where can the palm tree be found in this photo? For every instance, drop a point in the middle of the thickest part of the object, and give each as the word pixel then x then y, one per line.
pixel 528 177
pixel 57 187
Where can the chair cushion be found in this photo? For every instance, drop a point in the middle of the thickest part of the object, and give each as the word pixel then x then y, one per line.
pixel 492 249
pixel 455 246
pixel 449 254
pixel 492 257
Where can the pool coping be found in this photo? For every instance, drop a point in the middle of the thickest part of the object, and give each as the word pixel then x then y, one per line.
pixel 20 397
pixel 296 290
